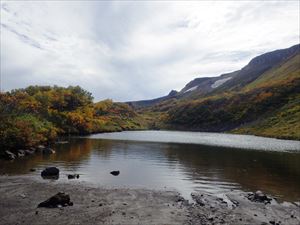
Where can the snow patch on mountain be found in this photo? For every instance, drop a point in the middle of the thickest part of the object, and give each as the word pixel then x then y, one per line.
pixel 191 89
pixel 220 82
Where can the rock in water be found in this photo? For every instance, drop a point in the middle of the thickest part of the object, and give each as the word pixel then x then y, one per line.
pixel 115 173
pixel 48 151
pixel 73 176
pixel 29 152
pixel 50 171
pixel 60 199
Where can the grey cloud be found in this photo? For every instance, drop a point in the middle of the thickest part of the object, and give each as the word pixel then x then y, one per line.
pixel 23 37
pixel 136 50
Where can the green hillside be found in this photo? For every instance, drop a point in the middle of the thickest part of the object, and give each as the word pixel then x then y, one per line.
pixel 267 105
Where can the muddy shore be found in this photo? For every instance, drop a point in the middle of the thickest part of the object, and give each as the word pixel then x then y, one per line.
pixel 19 197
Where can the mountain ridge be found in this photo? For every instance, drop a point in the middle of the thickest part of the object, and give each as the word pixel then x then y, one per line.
pixel 231 81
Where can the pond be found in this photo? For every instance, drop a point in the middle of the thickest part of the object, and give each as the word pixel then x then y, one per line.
pixel 184 161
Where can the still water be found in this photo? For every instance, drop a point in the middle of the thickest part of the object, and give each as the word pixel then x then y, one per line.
pixel 184 161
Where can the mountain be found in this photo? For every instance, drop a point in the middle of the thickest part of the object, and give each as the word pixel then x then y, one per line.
pixel 236 80
pixel 262 98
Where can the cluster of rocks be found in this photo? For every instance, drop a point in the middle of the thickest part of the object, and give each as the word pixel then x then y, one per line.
pixel 11 155
pixel 259 196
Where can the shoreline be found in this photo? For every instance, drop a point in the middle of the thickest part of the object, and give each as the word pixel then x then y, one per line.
pixel 19 197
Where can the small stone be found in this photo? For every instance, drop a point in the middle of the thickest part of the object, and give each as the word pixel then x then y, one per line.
pixel 255 214
pixel 272 222
pixel 36 212
pixel 123 213
pixel 115 172
pixel 100 204
pixel 210 218
pixel 23 196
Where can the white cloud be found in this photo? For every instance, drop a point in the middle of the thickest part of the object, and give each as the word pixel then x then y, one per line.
pixel 137 50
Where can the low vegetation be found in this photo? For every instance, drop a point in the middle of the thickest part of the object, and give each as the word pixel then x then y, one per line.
pixel 39 114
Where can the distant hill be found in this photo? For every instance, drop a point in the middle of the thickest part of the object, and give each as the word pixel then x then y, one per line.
pixel 262 98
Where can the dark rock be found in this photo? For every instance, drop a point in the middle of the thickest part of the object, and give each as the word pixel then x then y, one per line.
pixel 272 222
pixel 9 155
pixel 32 170
pixel 21 153
pixel 29 152
pixel 60 198
pixel 115 173
pixel 100 204
pixel 259 196
pixel 73 176
pixel 48 151
pixel 41 148
pixel 198 200
pixel 50 172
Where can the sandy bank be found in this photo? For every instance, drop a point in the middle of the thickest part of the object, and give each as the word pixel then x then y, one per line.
pixel 19 197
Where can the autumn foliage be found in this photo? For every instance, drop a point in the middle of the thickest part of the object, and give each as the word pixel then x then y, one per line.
pixel 39 114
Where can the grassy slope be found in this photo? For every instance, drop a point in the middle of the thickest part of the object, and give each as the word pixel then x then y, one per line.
pixel 268 106
pixel 284 122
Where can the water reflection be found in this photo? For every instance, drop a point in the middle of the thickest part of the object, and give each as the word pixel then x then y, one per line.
pixel 184 167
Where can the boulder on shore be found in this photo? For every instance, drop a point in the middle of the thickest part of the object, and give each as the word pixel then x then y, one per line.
pixel 21 153
pixel 58 200
pixel 29 152
pixel 40 148
pixel 9 155
pixel 259 196
pixel 50 172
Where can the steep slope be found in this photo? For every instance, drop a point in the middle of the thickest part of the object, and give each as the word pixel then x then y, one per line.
pixel 258 66
pixel 234 81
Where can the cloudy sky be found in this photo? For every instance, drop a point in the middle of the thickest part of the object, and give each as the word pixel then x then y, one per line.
pixel 137 50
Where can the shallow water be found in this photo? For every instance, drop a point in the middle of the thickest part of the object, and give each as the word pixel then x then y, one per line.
pixel 182 166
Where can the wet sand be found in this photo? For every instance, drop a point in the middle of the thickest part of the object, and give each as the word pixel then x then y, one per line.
pixel 19 197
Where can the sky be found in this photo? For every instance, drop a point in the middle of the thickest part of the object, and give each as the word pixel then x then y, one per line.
pixel 137 50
